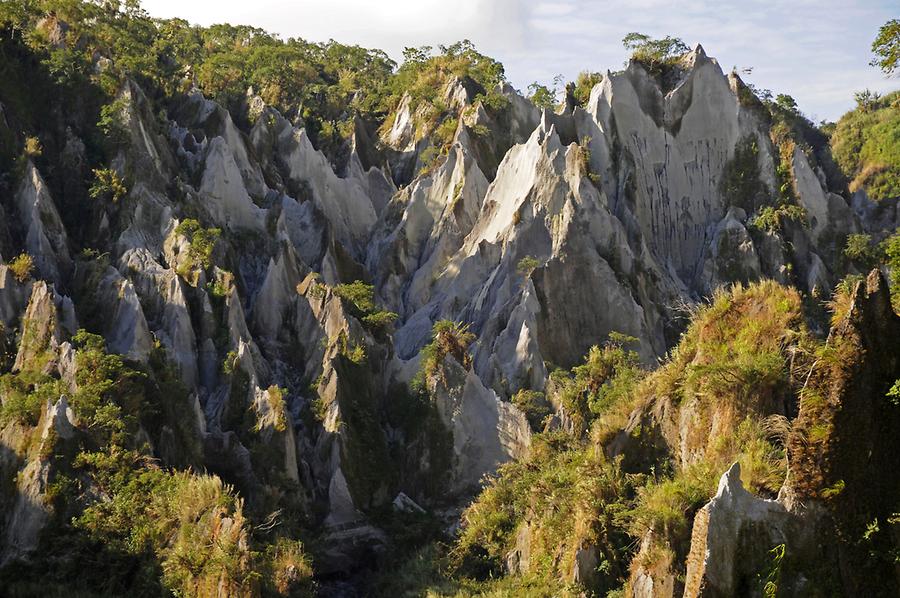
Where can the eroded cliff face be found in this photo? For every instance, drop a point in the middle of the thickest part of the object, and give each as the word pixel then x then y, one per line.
pixel 544 232
pixel 799 541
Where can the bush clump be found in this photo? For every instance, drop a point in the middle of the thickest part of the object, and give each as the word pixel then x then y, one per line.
pixel 21 267
pixel 447 338
pixel 360 298
pixel 202 243
pixel 107 184
pixel 866 145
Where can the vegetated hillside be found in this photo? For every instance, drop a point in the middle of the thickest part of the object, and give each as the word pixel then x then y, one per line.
pixel 270 311
pixel 866 144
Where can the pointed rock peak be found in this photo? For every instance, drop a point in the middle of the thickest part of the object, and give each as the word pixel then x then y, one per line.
pixel 730 485
pixel 695 58
pixel 546 129
pixel 871 308
pixel 59 419
pixel 459 92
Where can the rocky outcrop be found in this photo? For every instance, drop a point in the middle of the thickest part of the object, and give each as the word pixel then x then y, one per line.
pixel 30 510
pixel 486 431
pixel 125 327
pixel 45 237
pixel 732 534
pixel 48 320
pixel 162 294
pixel 543 232
pixel 740 542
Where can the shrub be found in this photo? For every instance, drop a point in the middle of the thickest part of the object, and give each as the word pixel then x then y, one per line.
pixel 202 243
pixel 607 376
pixel 772 219
pixel 860 249
pixel 741 185
pixel 890 248
pixel 567 496
pixel 23 398
pixel 288 568
pixel 527 265
pixel 886 47
pixel 33 147
pixel 534 405
pixel 21 267
pixel 866 146
pixel 447 338
pixel 276 404
pixel 666 507
pixel 356 353
pixel 584 84
pixel 542 96
pixel 193 524
pixel 107 184
pixel 583 159
pixel 360 298
pixel 656 55
pixel 111 122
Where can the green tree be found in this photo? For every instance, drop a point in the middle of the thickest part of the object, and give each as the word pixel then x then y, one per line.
pixel 542 96
pixel 655 54
pixel 887 47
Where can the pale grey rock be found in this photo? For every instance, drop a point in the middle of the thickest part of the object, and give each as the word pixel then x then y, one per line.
pixel 305 227
pixel 584 569
pixel 828 213
pixel 146 150
pixel 732 520
pixel 42 329
pixel 59 419
pixel 277 293
pixel 651 579
pixel 223 192
pixel 731 255
pixel 163 295
pixel 211 120
pixel 30 510
pixel 145 218
pixel 45 237
pixel 516 351
pixel 125 327
pixel 29 514
pixel 268 421
pixel 486 431
pixel 341 507
pixel 401 135
pixel 346 203
pixel 405 504
pixel 518 560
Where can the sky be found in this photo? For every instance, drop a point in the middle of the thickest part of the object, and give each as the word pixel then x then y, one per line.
pixel 818 51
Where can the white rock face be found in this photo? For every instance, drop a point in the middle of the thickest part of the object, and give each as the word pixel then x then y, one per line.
pixel 827 212
pixel 48 319
pixel 46 240
pixel 225 196
pixel 30 512
pixel 348 204
pixel 731 255
pixel 719 527
pixel 13 296
pixel 162 292
pixel 125 327
pixel 277 293
pixel 486 431
pixel 401 135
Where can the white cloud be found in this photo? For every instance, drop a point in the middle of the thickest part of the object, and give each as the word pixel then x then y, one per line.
pixel 815 50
